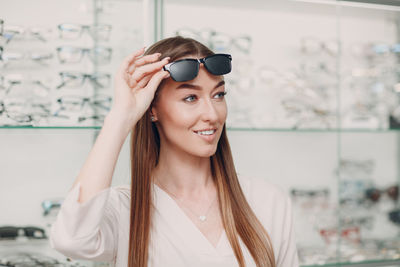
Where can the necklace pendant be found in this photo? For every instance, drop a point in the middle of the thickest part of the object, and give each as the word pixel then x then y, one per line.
pixel 202 218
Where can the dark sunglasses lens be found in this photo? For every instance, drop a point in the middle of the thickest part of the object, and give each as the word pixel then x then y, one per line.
pixel 394 216
pixel 218 64
pixel 373 194
pixel 34 232
pixel 8 232
pixel 184 70
pixel 393 192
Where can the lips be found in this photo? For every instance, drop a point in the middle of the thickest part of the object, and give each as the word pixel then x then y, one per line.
pixel 206 131
pixel 208 134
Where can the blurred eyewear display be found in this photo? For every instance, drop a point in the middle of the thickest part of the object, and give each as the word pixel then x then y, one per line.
pixel 77 79
pixel 71 31
pixel 71 54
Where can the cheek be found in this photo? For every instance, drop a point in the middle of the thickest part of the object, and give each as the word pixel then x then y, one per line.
pixel 176 116
pixel 223 111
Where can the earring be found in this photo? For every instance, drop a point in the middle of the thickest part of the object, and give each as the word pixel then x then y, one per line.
pixel 153 118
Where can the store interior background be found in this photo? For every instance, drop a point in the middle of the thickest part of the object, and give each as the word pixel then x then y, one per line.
pixel 38 164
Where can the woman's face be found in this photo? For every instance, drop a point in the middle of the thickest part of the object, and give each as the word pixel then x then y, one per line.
pixel 190 115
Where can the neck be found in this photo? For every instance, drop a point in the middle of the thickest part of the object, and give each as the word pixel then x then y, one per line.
pixel 186 176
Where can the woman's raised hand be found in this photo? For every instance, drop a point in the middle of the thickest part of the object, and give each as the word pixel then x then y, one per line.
pixel 136 82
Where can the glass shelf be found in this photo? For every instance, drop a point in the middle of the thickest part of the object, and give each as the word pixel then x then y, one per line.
pixel 315 130
pixel 51 127
pixel 234 129
pixel 369 263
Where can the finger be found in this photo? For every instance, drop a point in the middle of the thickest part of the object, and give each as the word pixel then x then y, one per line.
pixel 128 60
pixel 132 82
pixel 143 60
pixel 156 79
pixel 149 68
pixel 143 82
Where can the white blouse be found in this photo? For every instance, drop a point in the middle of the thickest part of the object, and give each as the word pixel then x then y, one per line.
pixel 98 229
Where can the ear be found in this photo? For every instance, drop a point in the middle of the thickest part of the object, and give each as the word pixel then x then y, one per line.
pixel 153 113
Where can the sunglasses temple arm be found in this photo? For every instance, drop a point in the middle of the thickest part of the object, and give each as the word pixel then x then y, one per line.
pixel 61 85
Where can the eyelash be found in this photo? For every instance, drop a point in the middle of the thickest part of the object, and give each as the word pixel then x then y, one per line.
pixel 220 93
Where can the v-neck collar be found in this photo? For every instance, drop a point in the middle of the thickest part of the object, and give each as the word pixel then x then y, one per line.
pixel 184 227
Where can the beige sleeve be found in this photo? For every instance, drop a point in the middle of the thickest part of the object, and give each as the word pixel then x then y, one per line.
pixel 288 256
pixel 87 230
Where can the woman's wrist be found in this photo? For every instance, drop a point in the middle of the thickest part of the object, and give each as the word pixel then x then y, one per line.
pixel 120 120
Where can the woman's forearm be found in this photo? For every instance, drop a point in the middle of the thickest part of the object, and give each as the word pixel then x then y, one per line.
pixel 135 84
pixel 98 169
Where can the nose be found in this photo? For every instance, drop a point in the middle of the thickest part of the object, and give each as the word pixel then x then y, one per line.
pixel 209 111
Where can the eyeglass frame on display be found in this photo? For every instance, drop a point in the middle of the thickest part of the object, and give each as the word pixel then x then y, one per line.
pixel 1 26
pixel 12 232
pixel 345 233
pixel 48 205
pixel 12 31
pixel 374 194
pixel 82 28
pixel 83 76
pixel 349 221
pixel 92 102
pixel 322 46
pixel 83 51
pixel 25 119
pixel 232 42
pixel 213 34
pixel 394 216
pixel 12 82
pixel 65 112
pixel 23 56
pixel 96 118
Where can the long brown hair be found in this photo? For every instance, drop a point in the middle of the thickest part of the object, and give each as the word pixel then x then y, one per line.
pixel 237 216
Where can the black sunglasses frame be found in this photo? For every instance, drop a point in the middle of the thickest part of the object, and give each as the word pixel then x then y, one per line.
pixel 12 232
pixel 203 60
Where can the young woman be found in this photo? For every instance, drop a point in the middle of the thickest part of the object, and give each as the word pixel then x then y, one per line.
pixel 186 206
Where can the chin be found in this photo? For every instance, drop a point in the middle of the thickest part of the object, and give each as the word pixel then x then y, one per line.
pixel 205 153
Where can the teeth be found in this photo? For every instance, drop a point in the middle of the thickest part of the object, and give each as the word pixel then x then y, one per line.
pixel 206 132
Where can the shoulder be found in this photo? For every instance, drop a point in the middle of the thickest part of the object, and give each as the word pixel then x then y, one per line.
pixel 269 201
pixel 260 189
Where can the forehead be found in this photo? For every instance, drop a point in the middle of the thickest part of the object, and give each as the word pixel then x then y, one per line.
pixel 195 56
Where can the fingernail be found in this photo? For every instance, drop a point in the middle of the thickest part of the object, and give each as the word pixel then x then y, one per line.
pixel 167 58
pixel 158 54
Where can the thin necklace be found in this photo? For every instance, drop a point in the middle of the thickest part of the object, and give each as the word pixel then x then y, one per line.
pixel 202 218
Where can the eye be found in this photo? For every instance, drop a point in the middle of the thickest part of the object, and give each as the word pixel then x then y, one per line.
pixel 221 94
pixel 190 98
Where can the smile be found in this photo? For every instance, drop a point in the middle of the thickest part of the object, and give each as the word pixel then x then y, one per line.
pixel 206 132
pixel 207 135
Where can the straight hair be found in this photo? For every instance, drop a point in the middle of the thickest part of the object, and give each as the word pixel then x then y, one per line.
pixel 238 218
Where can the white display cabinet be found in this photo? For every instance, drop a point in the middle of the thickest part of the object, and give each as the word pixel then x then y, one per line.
pixel 313 103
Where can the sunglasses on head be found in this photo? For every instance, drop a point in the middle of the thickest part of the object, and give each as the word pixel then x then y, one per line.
pixel 187 69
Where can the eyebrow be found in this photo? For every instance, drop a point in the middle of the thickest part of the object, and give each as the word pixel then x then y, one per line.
pixel 196 87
